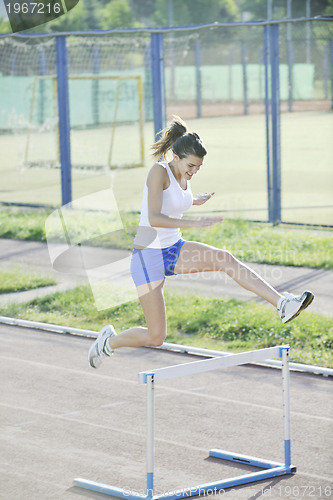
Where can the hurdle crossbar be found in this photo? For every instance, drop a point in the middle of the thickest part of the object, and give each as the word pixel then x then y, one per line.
pixel 271 468
pixel 207 365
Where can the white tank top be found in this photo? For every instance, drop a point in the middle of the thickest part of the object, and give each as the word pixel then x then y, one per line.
pixel 175 201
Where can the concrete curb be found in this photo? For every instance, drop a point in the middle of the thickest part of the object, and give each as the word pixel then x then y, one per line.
pixel 48 327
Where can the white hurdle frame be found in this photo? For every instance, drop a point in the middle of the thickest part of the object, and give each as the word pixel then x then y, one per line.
pixel 272 469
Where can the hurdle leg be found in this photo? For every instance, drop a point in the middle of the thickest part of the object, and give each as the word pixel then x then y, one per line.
pixel 286 405
pixel 150 436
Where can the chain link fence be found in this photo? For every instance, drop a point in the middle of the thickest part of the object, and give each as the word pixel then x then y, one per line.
pixel 216 77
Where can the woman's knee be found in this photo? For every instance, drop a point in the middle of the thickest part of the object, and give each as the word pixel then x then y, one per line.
pixel 156 337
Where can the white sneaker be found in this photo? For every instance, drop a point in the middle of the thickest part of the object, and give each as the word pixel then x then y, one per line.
pixel 100 348
pixel 289 305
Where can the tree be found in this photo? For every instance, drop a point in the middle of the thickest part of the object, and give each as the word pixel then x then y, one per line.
pixel 5 26
pixel 92 17
pixel 74 20
pixel 196 12
pixel 258 8
pixel 144 10
pixel 116 14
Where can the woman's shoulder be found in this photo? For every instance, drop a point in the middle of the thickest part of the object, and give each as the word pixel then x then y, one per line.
pixel 159 166
pixel 158 172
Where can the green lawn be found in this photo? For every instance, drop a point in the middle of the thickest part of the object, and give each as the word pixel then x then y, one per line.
pixel 226 325
pixel 252 242
pixel 19 281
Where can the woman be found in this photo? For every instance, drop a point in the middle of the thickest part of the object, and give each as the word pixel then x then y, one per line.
pixel 160 251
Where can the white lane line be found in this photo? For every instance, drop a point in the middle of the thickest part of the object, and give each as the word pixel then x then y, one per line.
pixel 90 372
pixel 114 404
pixel 171 389
pixel 69 419
pixel 161 394
pixel 244 403
pixel 130 433
pixel 68 413
pixel 28 422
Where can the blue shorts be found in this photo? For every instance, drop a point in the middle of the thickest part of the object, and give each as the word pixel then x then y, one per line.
pixel 153 264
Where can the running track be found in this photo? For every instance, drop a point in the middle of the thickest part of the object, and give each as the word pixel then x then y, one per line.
pixel 60 420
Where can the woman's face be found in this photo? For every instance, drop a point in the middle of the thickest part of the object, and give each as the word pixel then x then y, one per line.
pixel 188 166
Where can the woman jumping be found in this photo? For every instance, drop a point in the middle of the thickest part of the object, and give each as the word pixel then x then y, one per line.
pixel 160 251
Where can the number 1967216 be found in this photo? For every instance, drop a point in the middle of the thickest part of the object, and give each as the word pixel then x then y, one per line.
pixel 33 8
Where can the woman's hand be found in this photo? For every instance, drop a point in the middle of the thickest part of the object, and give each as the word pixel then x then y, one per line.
pixel 200 199
pixel 208 221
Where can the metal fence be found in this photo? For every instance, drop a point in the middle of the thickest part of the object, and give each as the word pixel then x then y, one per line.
pixel 259 93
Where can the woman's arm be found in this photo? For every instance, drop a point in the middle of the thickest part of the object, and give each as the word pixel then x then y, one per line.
pixel 155 182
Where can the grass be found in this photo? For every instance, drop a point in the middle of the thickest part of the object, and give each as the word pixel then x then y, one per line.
pixel 226 325
pixel 252 242
pixel 18 281
pixel 19 224
pixel 264 243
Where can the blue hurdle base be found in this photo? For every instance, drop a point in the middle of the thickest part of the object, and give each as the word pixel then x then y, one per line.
pixel 273 469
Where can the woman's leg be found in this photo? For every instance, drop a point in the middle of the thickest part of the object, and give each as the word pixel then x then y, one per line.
pixel 153 306
pixel 197 257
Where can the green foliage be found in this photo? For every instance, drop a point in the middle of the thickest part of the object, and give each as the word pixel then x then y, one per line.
pixel 194 320
pixel 116 14
pixel 108 14
pixel 251 242
pixel 23 225
pixel 195 12
pixel 16 280
pixel 74 20
pixel 5 26
pixel 143 9
pixel 258 8
pixel 264 243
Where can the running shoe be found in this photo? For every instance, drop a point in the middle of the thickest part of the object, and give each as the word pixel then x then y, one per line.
pixel 100 348
pixel 289 305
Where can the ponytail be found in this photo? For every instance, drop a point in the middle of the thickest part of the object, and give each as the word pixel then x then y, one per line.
pixel 176 129
pixel 182 142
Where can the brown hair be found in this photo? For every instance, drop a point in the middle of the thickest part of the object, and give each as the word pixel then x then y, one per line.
pixel 182 142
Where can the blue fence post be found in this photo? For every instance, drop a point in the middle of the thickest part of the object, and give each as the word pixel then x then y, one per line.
pixel 260 64
pixel 198 77
pixel 64 123
pixel 230 65
pixel 325 70
pixel 290 58
pixel 148 83
pixel 276 143
pixel 95 85
pixel 267 116
pixel 331 45
pixel 290 74
pixel 244 62
pixel 158 83
pixel 42 72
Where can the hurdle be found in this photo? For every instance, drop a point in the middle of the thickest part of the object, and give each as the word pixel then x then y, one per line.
pixel 271 468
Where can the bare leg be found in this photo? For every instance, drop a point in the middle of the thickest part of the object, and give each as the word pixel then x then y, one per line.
pixel 197 257
pixel 154 310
